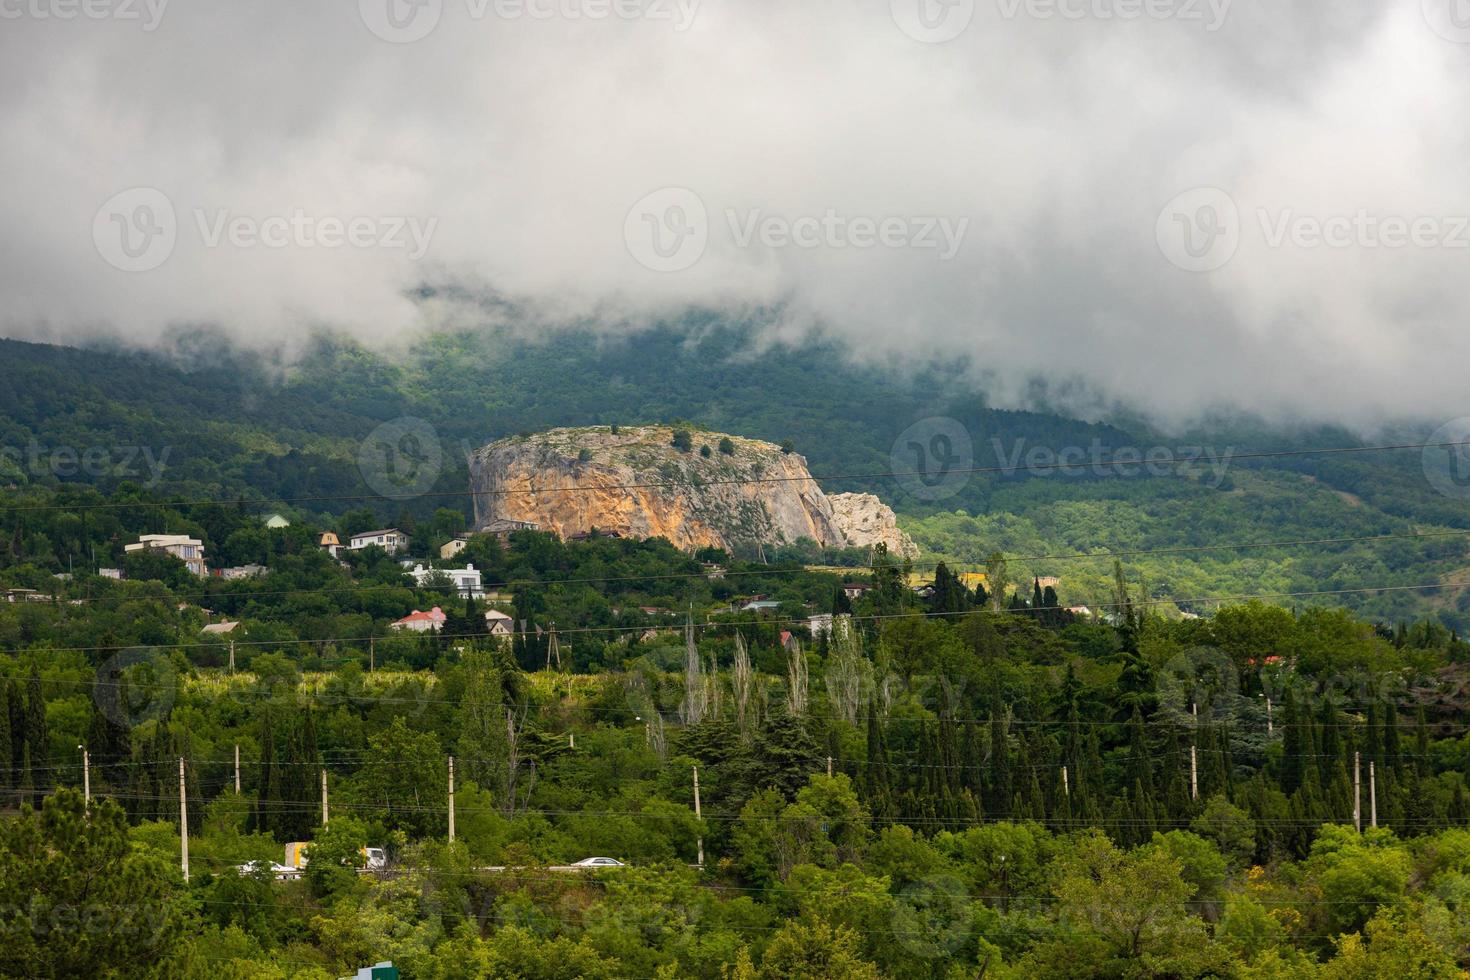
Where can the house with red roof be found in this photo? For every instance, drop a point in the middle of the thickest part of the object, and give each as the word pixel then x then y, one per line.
pixel 421 622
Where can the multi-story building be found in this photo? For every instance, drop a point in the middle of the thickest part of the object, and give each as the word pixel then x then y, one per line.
pixel 188 550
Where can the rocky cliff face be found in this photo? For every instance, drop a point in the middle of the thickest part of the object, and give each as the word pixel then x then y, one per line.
pixel 635 482
pixel 865 520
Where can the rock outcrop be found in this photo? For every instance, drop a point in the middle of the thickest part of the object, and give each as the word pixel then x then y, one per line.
pixel 865 520
pixel 636 483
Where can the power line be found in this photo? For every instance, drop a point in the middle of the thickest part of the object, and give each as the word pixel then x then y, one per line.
pixel 880 617
pixel 1112 463
pixel 778 570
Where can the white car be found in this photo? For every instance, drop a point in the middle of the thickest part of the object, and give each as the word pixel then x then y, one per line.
pixel 599 863
pixel 280 871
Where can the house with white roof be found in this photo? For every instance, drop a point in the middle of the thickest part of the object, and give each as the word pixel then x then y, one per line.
pixel 390 539
pixel 188 550
pixel 466 580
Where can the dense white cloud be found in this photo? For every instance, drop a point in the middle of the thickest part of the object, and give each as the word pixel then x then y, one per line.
pixel 1052 132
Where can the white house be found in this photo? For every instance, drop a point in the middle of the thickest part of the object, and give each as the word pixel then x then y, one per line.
pixel 466 580
pixel 498 623
pixel 188 550
pixel 389 539
pixel 819 624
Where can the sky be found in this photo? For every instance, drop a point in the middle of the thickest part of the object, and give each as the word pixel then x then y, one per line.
pixel 1179 206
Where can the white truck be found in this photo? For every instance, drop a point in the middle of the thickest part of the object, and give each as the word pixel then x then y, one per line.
pixel 373 858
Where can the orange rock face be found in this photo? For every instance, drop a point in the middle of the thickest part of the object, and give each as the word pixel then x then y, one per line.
pixel 638 484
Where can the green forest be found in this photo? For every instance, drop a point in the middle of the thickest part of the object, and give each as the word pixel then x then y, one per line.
pixel 209 421
pixel 944 783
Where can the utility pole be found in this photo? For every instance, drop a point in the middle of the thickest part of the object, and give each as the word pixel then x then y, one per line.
pixel 829 767
pixel 1193 757
pixel 1066 786
pixel 571 740
pixel 1357 793
pixel 1270 728
pixel 324 796
pixel 1372 795
pixel 232 656
pixel 86 777
pixel 451 799
pixel 237 768
pixel 697 815
pixel 183 821
pixel 372 653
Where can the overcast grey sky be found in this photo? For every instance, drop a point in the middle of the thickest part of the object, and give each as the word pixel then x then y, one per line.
pixel 998 178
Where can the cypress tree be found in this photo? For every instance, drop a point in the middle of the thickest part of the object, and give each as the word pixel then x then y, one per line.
pixel 1421 744
pixel 1291 745
pixel 5 759
pixel 999 801
pixel 1391 756
pixel 38 739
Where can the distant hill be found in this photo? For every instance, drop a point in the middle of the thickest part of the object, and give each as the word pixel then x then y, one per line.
pixel 220 423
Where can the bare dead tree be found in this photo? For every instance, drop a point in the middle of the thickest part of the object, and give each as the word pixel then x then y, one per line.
pixel 846 669
pixel 692 710
pixel 712 690
pixel 796 677
pixel 744 684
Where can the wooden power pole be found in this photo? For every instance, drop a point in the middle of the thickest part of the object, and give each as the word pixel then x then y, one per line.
pixel 183 821
pixel 451 799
